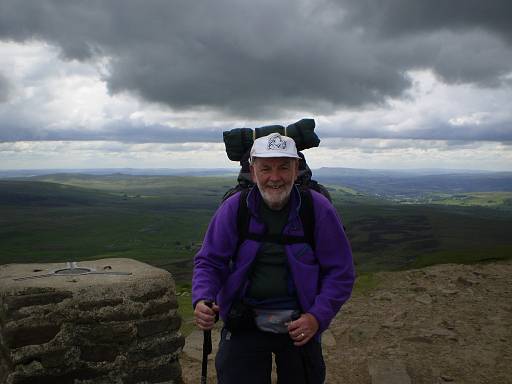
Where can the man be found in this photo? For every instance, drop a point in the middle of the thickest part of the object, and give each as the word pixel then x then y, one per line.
pixel 274 297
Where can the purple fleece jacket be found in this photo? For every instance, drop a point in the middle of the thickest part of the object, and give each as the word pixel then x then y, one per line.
pixel 323 278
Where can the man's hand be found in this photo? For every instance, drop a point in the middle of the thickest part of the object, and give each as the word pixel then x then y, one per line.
pixel 303 329
pixel 205 316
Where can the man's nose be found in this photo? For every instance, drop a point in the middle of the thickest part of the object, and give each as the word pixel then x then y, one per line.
pixel 275 174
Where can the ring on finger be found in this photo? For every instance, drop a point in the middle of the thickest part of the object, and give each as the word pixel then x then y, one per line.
pixel 302 335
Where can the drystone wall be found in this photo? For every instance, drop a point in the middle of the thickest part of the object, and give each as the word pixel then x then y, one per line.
pixel 116 322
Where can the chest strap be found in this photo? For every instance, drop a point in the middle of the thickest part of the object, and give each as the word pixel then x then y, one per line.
pixel 306 214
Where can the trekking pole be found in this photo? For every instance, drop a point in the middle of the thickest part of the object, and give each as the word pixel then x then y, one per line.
pixel 207 349
pixel 303 355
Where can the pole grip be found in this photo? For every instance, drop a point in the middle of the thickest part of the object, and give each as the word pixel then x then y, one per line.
pixel 207 349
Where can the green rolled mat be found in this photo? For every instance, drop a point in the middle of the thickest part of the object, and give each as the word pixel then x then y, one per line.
pixel 267 130
pixel 303 133
pixel 239 140
pixel 236 140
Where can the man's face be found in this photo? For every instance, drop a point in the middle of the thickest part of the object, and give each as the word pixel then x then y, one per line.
pixel 274 177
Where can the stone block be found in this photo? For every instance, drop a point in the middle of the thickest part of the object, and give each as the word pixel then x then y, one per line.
pixel 150 295
pixel 103 333
pixel 99 352
pixel 17 302
pixel 93 328
pixel 16 337
pixel 96 304
pixel 53 358
pixel 161 307
pixel 155 326
pixel 168 345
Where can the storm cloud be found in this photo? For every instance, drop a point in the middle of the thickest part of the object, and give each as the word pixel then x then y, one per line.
pixel 405 17
pixel 120 83
pixel 248 58
pixel 5 88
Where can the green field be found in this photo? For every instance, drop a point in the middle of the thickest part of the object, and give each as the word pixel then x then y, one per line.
pixel 502 200
pixel 395 236
pixel 161 220
pixel 156 221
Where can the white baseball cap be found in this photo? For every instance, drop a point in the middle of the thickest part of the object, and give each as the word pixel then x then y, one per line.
pixel 274 145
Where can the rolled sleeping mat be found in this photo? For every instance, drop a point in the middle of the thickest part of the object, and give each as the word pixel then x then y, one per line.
pixel 303 133
pixel 239 140
pixel 267 130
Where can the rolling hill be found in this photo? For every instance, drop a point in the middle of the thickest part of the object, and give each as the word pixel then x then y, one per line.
pixel 162 219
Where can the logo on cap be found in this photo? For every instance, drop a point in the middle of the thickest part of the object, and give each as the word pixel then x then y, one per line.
pixel 275 142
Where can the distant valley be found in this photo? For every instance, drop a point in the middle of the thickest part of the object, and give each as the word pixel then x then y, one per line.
pixel 421 185
pixel 394 219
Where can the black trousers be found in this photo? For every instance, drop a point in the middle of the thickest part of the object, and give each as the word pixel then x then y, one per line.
pixel 246 357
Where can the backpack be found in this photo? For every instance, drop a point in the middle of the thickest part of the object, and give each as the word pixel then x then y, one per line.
pixel 304 184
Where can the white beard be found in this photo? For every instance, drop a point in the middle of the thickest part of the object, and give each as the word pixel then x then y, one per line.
pixel 275 199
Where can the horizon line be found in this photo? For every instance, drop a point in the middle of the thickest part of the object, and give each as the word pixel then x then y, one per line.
pixel 237 167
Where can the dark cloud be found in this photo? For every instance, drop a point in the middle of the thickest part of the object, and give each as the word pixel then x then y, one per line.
pixel 462 41
pixel 5 88
pixel 248 58
pixel 433 130
pixel 128 132
pixel 116 131
pixel 406 17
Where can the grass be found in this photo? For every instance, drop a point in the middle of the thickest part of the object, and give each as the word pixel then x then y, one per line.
pixel 501 200
pixel 185 308
pixel 161 220
pixel 365 283
pixel 464 256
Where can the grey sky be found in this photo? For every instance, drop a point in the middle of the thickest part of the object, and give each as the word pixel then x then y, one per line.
pixel 359 67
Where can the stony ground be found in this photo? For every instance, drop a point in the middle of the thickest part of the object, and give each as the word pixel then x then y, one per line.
pixel 442 324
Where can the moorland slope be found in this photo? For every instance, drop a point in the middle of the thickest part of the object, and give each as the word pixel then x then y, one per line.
pixel 447 323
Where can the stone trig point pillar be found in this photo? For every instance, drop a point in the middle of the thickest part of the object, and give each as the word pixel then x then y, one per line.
pixel 103 321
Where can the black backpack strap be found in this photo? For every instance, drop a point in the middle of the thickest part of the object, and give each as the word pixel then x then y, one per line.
pixel 243 217
pixel 307 216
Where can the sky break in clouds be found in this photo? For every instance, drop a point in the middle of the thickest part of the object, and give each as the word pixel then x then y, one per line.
pixel 390 83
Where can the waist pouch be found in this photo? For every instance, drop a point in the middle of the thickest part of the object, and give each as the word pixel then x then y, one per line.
pixel 274 320
pixel 240 317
